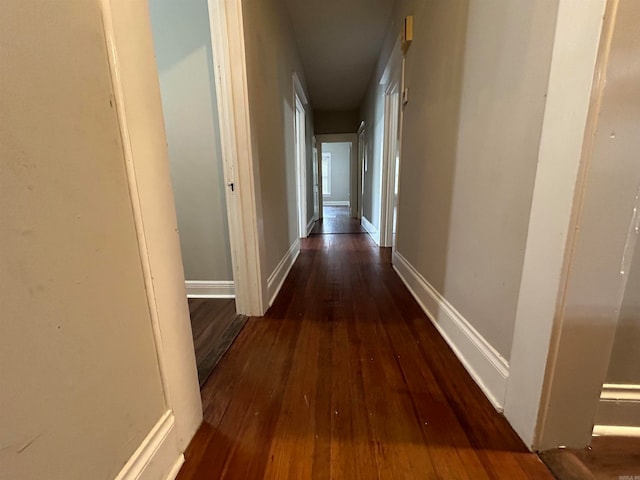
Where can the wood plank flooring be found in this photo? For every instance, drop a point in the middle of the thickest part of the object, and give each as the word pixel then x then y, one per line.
pixel 346 378
pixel 214 324
pixel 337 220
pixel 609 458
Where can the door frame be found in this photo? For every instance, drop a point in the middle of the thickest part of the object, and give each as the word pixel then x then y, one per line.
pixel 392 81
pixel 362 151
pixel 354 193
pixel 300 128
pixel 315 173
pixel 539 322
pixel 136 94
pixel 244 205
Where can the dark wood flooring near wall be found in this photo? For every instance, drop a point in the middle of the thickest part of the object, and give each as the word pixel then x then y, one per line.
pixel 337 220
pixel 345 378
pixel 609 458
pixel 214 324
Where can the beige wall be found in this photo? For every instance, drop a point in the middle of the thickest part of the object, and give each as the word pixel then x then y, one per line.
pixel 272 58
pixel 80 380
pixel 477 73
pixel 185 63
pixel 336 121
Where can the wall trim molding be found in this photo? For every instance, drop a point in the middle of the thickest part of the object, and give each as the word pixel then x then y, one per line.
pixel 210 289
pixel 310 225
pixel 173 473
pixel 622 392
pixel 337 203
pixel 619 407
pixel 371 229
pixel 157 456
pixel 485 365
pixel 279 274
pixel 616 431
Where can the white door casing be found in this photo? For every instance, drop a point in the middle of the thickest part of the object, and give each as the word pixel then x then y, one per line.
pixel 301 160
pixel 244 208
pixel 316 185
pixel 361 167
pixel 392 82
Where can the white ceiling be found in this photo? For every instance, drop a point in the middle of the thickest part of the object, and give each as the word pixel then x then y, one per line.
pixel 339 42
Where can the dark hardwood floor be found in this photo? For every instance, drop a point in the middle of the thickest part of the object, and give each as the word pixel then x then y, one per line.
pixel 609 458
pixel 214 324
pixel 337 220
pixel 346 378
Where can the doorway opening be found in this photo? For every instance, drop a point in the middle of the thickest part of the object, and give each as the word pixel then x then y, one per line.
pixel 204 203
pixel 339 185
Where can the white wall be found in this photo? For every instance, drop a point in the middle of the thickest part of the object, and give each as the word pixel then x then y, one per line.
pixel 183 51
pixel 340 171
pixel 272 58
pixel 80 379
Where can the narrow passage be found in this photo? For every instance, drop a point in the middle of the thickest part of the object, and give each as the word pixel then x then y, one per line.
pixel 337 219
pixel 346 378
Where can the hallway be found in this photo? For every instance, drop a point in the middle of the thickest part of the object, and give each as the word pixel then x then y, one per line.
pixel 337 220
pixel 346 378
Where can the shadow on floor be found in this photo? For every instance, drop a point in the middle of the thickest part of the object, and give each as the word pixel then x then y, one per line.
pixel 215 325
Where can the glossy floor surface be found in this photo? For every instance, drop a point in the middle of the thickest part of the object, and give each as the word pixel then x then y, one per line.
pixel 214 325
pixel 608 458
pixel 337 220
pixel 346 378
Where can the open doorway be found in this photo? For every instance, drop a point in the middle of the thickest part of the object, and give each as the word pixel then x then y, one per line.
pixel 339 184
pixel 183 48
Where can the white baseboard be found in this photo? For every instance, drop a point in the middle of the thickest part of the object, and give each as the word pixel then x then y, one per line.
pixel 310 225
pixel 173 473
pixel 371 230
pixel 619 406
pixel 158 456
pixel 277 277
pixel 487 367
pixel 616 431
pixel 210 289
pixel 336 203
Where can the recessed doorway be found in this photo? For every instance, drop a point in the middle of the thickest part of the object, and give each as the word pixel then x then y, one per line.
pixel 338 185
